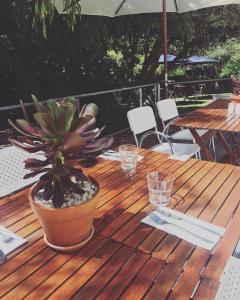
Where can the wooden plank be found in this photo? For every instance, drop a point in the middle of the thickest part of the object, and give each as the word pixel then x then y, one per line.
pixel 79 278
pixel 34 280
pixel 144 279
pixel 105 274
pixel 63 273
pixel 207 290
pixel 167 278
pixel 120 282
pixel 24 271
pixel 18 261
pixel 190 276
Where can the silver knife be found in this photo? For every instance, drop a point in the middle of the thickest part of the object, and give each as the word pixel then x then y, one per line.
pixel 3 257
pixel 170 215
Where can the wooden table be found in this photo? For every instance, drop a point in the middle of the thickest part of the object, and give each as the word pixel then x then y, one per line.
pixel 127 259
pixel 216 120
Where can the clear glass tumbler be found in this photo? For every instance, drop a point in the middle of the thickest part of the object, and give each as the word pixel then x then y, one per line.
pixel 160 187
pixel 128 157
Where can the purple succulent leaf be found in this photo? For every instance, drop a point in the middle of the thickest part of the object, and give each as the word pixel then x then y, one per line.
pixel 98 145
pixel 27 127
pixel 35 164
pixel 58 194
pixel 28 148
pixel 46 176
pixel 73 142
pixel 69 184
pixel 82 124
pixel 24 111
pixel 34 173
pixel 28 140
pixel 93 134
pixel 19 129
pixel 72 170
pixel 48 190
pixel 88 162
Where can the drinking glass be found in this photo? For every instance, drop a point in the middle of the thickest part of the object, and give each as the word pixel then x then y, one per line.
pixel 160 187
pixel 128 157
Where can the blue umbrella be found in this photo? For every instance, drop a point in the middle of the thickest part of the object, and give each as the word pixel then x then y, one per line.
pixel 170 58
pixel 196 60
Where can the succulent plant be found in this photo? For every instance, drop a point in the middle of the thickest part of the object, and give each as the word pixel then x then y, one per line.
pixel 64 140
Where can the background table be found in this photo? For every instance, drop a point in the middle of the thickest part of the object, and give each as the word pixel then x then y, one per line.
pixel 127 259
pixel 216 120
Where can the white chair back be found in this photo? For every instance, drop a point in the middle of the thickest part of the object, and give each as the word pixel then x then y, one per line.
pixel 167 110
pixel 221 96
pixel 141 119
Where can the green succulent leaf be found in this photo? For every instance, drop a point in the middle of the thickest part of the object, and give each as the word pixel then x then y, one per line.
pixel 63 117
pixel 71 100
pixel 46 122
pixel 52 105
pixel 39 106
pixel 90 109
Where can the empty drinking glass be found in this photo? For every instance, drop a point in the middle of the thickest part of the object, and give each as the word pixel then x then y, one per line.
pixel 128 157
pixel 160 187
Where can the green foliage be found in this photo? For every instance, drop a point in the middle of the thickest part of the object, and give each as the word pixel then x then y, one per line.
pixel 228 54
pixel 44 13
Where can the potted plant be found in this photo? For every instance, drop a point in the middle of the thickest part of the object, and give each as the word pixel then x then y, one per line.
pixel 64 198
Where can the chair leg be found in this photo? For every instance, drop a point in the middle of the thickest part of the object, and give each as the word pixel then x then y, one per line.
pixel 198 154
pixel 212 144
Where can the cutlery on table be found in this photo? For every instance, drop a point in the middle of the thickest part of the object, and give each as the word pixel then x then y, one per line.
pixel 6 238
pixel 3 257
pixel 170 215
pixel 161 221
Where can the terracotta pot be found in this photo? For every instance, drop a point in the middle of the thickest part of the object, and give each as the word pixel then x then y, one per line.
pixel 66 228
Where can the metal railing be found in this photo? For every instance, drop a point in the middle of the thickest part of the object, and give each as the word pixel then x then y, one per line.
pixel 139 95
pixel 158 86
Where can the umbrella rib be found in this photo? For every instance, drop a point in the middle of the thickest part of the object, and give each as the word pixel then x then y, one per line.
pixel 119 7
pixel 176 5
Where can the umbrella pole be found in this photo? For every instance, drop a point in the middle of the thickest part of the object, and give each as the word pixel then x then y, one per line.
pixel 165 47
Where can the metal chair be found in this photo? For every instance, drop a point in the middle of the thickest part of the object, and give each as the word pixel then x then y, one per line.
pixel 168 112
pixel 142 121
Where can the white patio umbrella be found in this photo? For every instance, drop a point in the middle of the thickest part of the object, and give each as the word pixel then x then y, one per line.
pixel 114 8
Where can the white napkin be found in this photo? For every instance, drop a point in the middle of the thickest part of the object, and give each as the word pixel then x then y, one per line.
pixel 114 155
pixel 182 157
pixel 9 241
pixel 190 224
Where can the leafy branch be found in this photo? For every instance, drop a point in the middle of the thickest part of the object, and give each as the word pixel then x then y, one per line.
pixel 45 10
